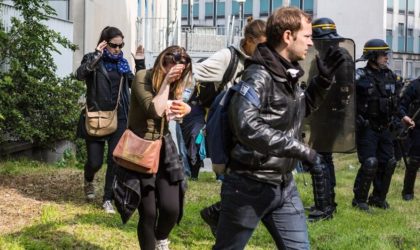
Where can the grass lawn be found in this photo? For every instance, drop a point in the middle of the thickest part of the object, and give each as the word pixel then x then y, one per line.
pixel 42 207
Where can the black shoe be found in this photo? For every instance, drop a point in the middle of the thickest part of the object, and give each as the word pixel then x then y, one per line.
pixel 375 202
pixel 317 215
pixel 211 217
pixel 408 197
pixel 310 208
pixel 360 205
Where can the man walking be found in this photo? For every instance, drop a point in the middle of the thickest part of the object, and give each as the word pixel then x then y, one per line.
pixel 259 184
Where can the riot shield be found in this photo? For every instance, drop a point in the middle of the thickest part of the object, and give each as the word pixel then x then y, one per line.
pixel 331 128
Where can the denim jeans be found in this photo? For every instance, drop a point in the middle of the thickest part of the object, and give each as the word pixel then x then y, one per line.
pixel 245 202
pixel 182 150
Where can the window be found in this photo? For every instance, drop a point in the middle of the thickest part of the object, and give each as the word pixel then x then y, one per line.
pixel 220 9
pixel 409 70
pixel 277 4
pixel 184 11
pixel 61 7
pixel 308 6
pixel 389 38
pixel 401 37
pixel 295 3
pixel 390 6
pixel 264 7
pixel 410 40
pixel 401 6
pixel 248 8
pixel 410 7
pixel 235 8
pixel 209 10
pixel 196 5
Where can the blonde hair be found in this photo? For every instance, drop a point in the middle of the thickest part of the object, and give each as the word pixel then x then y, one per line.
pixel 165 58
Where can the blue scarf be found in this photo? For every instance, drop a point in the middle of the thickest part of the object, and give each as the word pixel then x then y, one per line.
pixel 115 62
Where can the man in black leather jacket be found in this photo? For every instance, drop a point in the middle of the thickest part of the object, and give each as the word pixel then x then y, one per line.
pixel 259 184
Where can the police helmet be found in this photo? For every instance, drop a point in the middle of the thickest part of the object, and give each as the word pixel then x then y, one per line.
pixel 373 48
pixel 324 28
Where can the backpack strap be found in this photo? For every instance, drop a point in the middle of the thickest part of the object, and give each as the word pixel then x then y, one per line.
pixel 231 69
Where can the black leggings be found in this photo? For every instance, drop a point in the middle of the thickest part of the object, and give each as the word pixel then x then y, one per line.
pixel 95 155
pixel 159 211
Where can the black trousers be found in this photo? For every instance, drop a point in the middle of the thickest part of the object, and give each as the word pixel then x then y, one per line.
pixel 95 158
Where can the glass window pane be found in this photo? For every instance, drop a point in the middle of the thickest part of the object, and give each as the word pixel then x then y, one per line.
pixel 401 6
pixel 61 7
pixel 195 10
pixel 264 6
pixel 277 4
pixel 209 9
pixel 295 3
pixel 220 9
pixel 410 6
pixel 235 8
pixel 184 10
pixel 389 38
pixel 248 7
pixel 308 6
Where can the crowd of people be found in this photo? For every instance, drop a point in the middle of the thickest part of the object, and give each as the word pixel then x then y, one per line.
pixel 257 181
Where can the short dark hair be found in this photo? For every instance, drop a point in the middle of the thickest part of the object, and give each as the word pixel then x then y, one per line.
pixel 108 33
pixel 282 19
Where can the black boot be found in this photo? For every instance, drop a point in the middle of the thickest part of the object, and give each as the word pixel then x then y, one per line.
pixel 321 189
pixel 382 183
pixel 362 183
pixel 410 178
pixel 211 216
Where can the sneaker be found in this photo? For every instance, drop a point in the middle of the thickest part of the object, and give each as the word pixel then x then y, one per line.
pixel 89 190
pixel 360 205
pixel 408 197
pixel 162 244
pixel 211 217
pixel 109 209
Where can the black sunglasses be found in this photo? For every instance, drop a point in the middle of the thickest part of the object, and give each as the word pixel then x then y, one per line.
pixel 114 46
pixel 177 58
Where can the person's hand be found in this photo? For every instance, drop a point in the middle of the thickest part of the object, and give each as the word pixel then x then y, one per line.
pixel 316 161
pixel 180 108
pixel 361 122
pixel 408 122
pixel 174 73
pixel 101 46
pixel 139 53
pixel 332 60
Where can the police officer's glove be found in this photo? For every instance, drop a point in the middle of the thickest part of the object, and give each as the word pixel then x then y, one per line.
pixel 332 60
pixel 361 122
pixel 316 160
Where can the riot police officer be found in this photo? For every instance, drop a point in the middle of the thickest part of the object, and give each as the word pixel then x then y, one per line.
pixel 410 114
pixel 376 100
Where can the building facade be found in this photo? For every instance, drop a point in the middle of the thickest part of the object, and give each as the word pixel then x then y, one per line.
pixel 396 21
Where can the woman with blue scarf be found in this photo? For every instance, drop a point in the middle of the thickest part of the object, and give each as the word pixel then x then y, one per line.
pixel 108 78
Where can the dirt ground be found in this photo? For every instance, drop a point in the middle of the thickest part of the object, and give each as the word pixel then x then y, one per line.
pixel 22 196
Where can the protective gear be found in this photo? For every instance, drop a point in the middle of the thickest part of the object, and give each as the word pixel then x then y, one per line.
pixel 339 105
pixel 373 48
pixel 332 60
pixel 324 28
pixel 410 178
pixel 381 184
pixel 321 189
pixel 364 178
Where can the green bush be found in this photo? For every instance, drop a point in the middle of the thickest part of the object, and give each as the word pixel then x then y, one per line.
pixel 37 106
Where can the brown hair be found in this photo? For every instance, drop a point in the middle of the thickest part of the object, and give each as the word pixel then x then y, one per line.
pixel 172 54
pixel 108 33
pixel 254 28
pixel 282 19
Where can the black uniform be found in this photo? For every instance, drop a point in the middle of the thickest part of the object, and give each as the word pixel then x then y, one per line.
pixel 409 105
pixel 376 105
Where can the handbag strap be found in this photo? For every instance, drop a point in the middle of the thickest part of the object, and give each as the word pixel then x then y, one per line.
pixel 119 93
pixel 162 123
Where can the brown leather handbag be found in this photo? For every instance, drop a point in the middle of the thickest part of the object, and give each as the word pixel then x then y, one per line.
pixel 101 123
pixel 138 154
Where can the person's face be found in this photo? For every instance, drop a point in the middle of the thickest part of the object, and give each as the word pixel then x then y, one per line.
pixel 251 44
pixel 115 45
pixel 300 41
pixel 382 60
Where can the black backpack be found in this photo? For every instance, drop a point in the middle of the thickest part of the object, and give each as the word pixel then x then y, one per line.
pixel 207 92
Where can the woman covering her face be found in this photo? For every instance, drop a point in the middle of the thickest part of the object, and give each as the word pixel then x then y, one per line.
pixel 155 98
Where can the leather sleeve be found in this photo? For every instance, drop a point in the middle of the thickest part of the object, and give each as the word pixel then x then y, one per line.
pixel 252 131
pixel 88 64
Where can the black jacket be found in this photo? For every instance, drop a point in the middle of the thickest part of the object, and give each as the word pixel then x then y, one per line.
pixel 410 102
pixel 267 138
pixel 98 83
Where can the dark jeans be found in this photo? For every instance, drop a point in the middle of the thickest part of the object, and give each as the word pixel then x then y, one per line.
pixel 95 154
pixel 245 202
